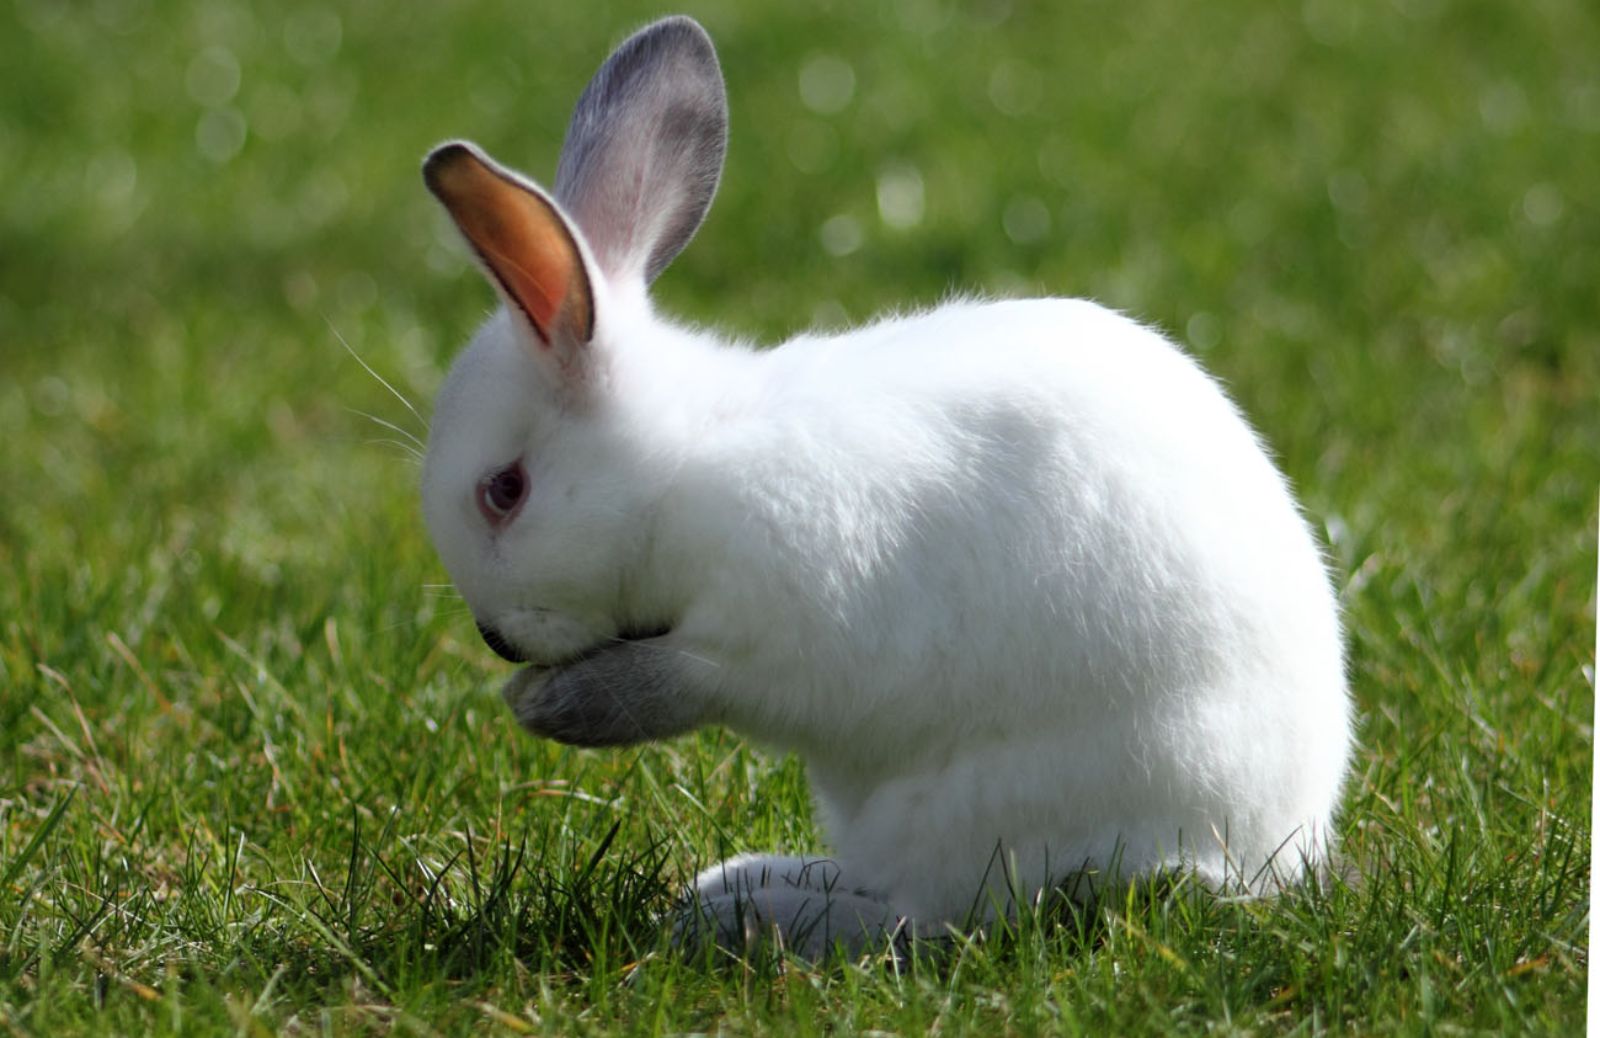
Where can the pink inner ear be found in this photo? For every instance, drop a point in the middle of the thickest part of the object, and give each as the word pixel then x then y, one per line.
pixel 521 238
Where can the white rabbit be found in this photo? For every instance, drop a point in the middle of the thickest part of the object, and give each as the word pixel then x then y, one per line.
pixel 1015 579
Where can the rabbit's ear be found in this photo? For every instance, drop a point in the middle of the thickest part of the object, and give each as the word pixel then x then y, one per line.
pixel 523 241
pixel 644 151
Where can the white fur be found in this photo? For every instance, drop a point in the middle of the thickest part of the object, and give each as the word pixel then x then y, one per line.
pixel 1015 579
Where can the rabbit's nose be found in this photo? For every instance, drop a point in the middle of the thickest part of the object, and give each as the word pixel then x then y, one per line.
pixel 497 641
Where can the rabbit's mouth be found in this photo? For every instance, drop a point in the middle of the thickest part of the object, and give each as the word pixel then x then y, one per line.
pixel 543 667
pixel 517 641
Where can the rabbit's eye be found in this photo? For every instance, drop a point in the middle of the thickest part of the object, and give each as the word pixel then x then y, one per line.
pixel 501 492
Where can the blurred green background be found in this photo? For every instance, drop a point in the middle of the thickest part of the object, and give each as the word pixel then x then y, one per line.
pixel 1377 221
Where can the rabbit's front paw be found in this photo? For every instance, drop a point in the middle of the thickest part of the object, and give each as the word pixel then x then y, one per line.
pixel 629 692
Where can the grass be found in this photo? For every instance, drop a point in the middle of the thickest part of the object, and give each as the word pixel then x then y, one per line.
pixel 253 773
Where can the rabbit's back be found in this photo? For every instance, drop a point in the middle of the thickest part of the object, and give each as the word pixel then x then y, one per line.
pixel 988 474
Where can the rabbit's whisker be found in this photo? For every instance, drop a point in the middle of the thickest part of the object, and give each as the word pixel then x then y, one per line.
pixel 381 380
pixel 415 445
pixel 411 454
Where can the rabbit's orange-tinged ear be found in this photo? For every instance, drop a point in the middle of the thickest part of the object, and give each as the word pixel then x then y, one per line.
pixel 521 239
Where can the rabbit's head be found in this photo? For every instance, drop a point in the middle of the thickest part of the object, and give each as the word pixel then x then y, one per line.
pixel 536 479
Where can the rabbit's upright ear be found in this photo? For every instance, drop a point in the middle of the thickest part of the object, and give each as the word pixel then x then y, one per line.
pixel 523 242
pixel 644 152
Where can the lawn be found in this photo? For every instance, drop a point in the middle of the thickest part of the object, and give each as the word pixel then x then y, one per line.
pixel 255 775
